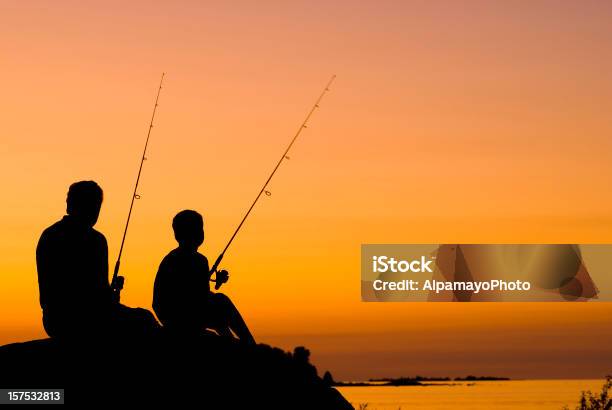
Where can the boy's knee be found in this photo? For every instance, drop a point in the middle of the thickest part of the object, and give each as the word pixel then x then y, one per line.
pixel 222 298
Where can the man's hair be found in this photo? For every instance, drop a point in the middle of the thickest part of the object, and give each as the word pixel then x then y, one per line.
pixel 184 223
pixel 83 194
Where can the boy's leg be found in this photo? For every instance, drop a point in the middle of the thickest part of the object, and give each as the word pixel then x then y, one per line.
pixel 221 328
pixel 228 316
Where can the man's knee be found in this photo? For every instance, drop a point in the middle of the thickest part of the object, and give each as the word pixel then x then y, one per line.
pixel 147 317
pixel 140 316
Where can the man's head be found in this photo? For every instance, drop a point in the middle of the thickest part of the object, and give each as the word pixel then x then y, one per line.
pixel 84 201
pixel 188 228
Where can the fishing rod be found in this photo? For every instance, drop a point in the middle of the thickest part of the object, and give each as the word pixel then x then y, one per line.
pixel 117 282
pixel 221 279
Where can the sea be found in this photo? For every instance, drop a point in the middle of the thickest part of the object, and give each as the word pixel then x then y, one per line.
pixel 479 395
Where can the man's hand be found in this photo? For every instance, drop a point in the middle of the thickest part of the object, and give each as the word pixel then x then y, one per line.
pixel 116 287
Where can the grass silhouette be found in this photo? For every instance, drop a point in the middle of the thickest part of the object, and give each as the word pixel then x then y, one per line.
pixel 596 401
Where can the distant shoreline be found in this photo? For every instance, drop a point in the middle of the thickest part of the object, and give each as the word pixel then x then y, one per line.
pixel 419 381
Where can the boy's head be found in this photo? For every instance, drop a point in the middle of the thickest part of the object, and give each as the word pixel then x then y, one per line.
pixel 188 228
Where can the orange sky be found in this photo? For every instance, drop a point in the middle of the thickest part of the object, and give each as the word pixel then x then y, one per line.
pixel 448 122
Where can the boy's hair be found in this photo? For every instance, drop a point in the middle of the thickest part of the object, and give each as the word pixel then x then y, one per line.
pixel 185 223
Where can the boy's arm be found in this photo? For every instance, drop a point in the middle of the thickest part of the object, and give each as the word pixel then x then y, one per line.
pixel 206 267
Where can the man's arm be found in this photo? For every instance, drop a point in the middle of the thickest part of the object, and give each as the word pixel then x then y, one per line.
pixel 45 266
pixel 101 269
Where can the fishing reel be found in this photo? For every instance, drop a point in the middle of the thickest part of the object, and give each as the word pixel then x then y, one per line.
pixel 116 287
pixel 221 277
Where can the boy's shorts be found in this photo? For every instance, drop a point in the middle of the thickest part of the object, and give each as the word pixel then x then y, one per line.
pixel 215 311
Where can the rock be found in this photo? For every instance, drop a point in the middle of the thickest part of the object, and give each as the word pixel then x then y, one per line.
pixel 210 371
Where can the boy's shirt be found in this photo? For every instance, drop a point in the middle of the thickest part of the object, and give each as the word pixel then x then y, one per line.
pixel 181 288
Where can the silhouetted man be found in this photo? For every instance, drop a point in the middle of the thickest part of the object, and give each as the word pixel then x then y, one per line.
pixel 182 298
pixel 72 263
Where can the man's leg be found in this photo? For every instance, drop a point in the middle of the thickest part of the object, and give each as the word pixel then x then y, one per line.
pixel 135 322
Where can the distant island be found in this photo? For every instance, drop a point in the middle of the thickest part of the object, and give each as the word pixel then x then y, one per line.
pixel 480 379
pixel 413 381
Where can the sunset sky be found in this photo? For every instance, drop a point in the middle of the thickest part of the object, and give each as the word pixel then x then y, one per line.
pixel 449 122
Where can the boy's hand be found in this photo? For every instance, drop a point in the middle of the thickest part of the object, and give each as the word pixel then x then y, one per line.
pixel 221 277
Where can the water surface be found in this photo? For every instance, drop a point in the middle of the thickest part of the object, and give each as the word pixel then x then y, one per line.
pixel 514 394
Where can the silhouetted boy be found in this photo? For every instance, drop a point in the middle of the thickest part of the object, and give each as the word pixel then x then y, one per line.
pixel 72 265
pixel 182 298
